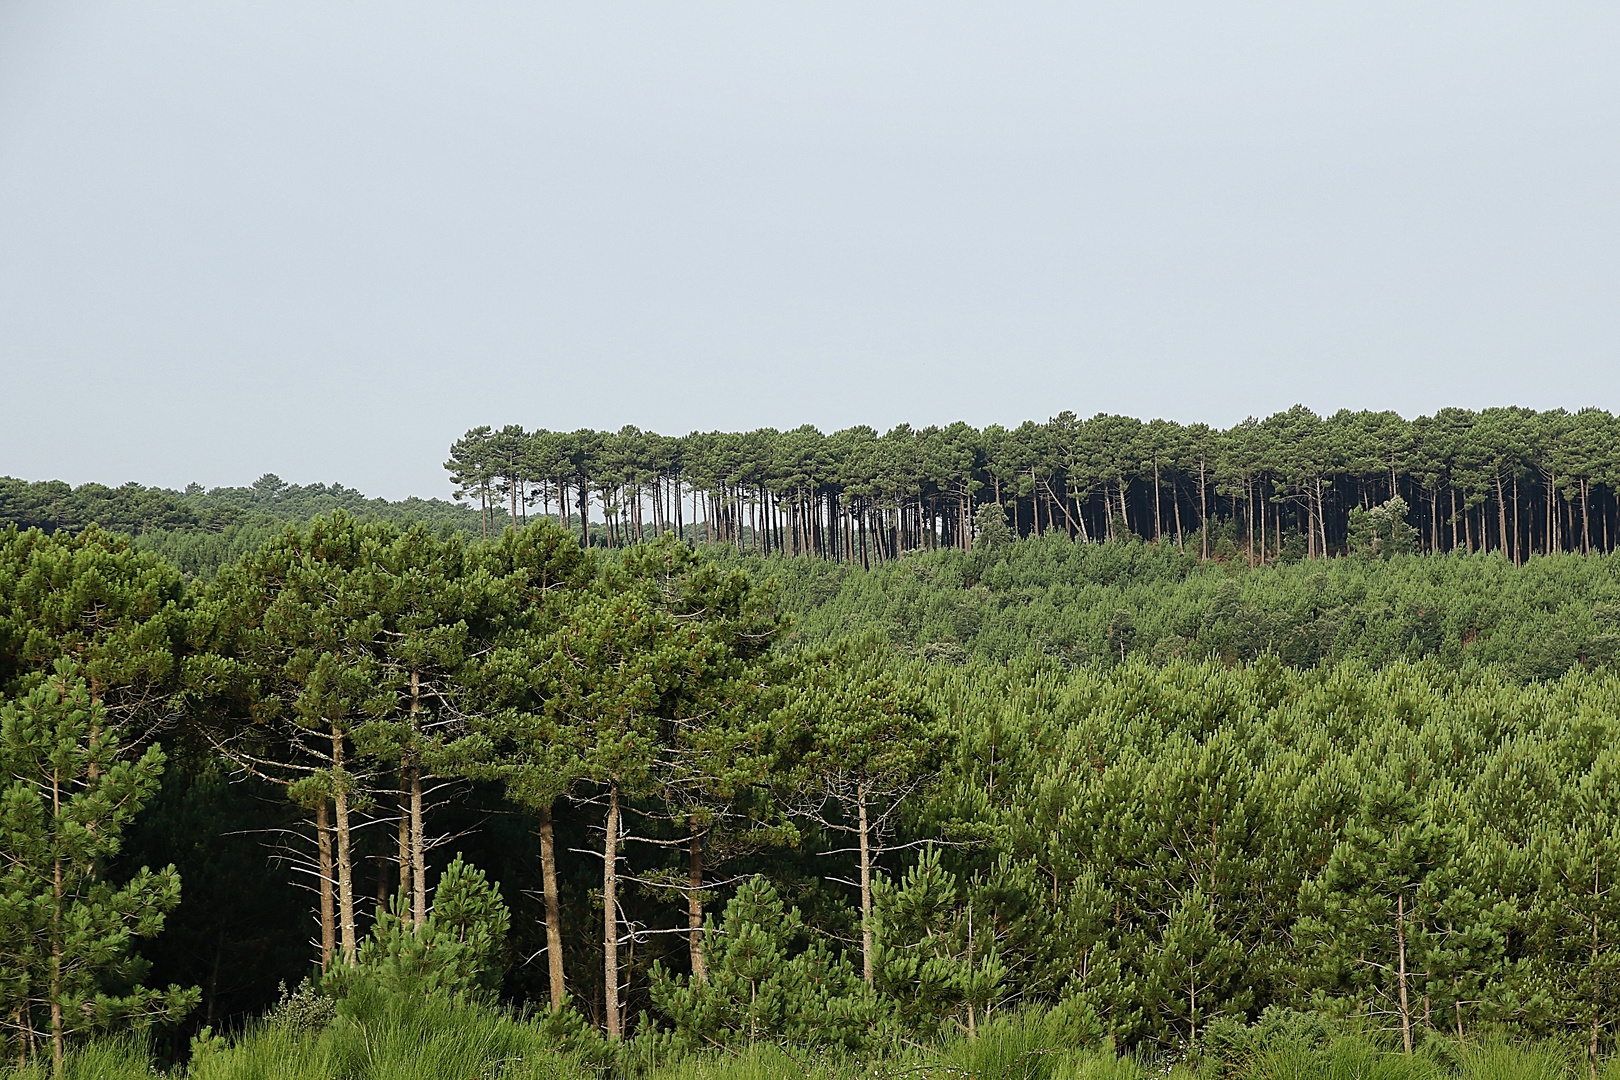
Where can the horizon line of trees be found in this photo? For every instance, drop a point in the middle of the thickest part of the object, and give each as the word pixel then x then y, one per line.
pixel 1512 480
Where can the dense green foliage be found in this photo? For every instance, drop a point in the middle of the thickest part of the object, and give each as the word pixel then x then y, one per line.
pixel 1151 803
pixel 1509 480
pixel 1096 603
pixel 198 530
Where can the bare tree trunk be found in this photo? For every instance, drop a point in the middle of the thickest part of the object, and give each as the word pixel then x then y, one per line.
pixel 418 837
pixel 1501 519
pixel 1517 542
pixel 610 917
pixel 418 848
pixel 694 907
pixel 58 890
pixel 1158 497
pixel 1175 505
pixel 323 846
pixel 404 837
pixel 868 961
pixel 345 871
pixel 548 885
pixel 1400 946
pixel 1203 510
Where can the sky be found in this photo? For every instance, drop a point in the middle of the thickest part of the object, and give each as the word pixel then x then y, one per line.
pixel 323 240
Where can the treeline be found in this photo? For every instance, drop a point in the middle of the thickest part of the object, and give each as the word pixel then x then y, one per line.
pixel 1511 480
pixel 199 530
pixel 706 836
pixel 1098 604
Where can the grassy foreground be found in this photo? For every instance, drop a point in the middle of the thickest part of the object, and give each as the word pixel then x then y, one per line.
pixel 435 1040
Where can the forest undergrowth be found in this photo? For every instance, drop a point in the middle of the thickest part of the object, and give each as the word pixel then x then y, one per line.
pixel 434 1039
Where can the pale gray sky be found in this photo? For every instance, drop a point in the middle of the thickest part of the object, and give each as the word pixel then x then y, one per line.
pixel 323 239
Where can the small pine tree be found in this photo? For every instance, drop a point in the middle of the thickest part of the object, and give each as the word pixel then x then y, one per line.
pixel 758 988
pixel 65 930
pixel 457 951
pixel 930 962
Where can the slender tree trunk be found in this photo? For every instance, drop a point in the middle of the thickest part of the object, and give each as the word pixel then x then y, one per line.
pixel 1263 502
pixel 1586 518
pixel 1158 497
pixel 403 839
pixel 548 886
pixel 418 837
pixel 610 917
pixel 1248 487
pixel 1203 510
pixel 345 868
pixel 58 894
pixel 323 848
pixel 1400 946
pixel 868 960
pixel 694 906
pixel 584 512
pixel 1517 536
pixel 1175 504
pixel 418 847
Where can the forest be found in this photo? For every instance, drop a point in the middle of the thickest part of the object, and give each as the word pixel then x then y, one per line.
pixel 714 790
pixel 1294 484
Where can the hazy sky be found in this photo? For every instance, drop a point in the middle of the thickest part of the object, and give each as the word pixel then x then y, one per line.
pixel 323 239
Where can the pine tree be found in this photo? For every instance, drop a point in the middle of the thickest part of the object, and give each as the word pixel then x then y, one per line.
pixel 456 950
pixel 874 741
pixel 65 930
pixel 930 963
pixel 763 983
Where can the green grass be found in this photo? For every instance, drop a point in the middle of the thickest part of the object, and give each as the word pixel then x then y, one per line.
pixel 401 1039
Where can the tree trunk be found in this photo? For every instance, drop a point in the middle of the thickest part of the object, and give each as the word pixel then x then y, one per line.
pixel 1203 510
pixel 1158 497
pixel 418 848
pixel 404 839
pixel 58 889
pixel 548 886
pixel 610 917
pixel 1517 536
pixel 345 870
pixel 584 512
pixel 418 839
pixel 694 907
pixel 323 845
pixel 1175 505
pixel 1400 946
pixel 868 961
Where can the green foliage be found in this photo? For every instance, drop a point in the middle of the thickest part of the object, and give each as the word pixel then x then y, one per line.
pixel 456 952
pixel 198 531
pixel 929 964
pixel 65 930
pixel 1382 532
pixel 304 1010
pixel 764 983
pixel 1088 603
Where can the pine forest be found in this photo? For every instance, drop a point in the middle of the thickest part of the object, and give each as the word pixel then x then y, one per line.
pixel 1086 749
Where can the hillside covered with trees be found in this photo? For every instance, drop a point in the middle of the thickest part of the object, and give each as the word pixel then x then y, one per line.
pixel 675 802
